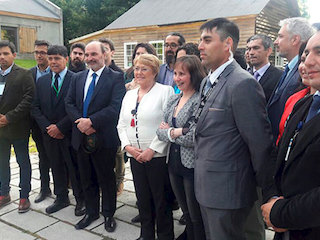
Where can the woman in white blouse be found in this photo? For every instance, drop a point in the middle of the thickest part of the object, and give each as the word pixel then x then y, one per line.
pixel 141 113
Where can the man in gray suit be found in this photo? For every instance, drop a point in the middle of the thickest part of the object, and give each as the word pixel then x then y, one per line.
pixel 233 138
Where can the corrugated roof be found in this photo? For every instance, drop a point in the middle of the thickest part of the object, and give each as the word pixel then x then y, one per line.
pixel 164 12
pixel 28 7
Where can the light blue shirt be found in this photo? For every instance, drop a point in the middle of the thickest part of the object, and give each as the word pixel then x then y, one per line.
pixel 7 71
pixel 292 63
pixel 62 74
pixel 41 73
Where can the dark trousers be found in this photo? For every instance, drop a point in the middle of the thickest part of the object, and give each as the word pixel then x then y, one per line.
pixel 60 157
pixel 183 188
pixel 44 163
pixel 21 150
pixel 150 183
pixel 97 170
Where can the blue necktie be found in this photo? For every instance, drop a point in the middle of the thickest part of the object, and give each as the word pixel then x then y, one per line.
pixel 256 75
pixel 283 77
pixel 207 86
pixel 314 107
pixel 89 95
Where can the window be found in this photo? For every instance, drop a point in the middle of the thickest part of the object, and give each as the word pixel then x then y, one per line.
pixel 9 33
pixel 159 46
pixel 279 61
pixel 128 51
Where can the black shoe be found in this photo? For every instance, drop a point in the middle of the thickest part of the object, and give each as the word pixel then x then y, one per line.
pixel 136 219
pixel 80 208
pixel 86 221
pixel 42 196
pixel 183 220
pixel 57 205
pixel 110 224
pixel 175 205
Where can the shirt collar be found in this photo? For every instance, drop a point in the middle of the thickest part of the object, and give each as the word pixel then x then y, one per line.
pixel 216 73
pixel 263 69
pixel 7 71
pixel 62 74
pixel 45 71
pixel 293 62
pixel 97 72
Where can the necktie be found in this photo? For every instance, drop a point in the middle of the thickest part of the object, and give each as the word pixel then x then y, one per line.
pixel 207 86
pixel 314 108
pixel 256 75
pixel 56 85
pixel 283 77
pixel 89 95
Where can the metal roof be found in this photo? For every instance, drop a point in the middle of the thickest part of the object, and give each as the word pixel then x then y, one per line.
pixel 164 12
pixel 30 7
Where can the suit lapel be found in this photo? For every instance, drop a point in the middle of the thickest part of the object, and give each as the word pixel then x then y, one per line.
pixel 103 79
pixel 64 87
pixel 265 76
pixel 81 86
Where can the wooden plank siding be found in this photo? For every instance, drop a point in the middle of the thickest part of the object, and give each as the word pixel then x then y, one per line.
pixel 27 37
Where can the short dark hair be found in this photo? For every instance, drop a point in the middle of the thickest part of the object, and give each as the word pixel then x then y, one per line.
pixel 78 45
pixel 181 38
pixel 6 43
pixel 58 50
pixel 190 48
pixel 266 41
pixel 193 65
pixel 150 49
pixel 107 41
pixel 224 29
pixel 41 43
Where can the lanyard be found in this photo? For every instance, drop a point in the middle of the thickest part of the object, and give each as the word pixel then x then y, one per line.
pixel 54 87
pixel 299 127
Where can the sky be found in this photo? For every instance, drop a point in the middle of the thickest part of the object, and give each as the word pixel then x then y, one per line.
pixel 314 8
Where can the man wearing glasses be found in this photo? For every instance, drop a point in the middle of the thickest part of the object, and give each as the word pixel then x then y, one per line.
pixel 42 68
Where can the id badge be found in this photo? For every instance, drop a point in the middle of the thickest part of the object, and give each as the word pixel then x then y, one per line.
pixel 2 85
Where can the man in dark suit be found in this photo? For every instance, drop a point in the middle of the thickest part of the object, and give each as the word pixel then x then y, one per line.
pixel 76 62
pixel 293 32
pixel 297 163
pixel 42 68
pixel 49 111
pixel 16 95
pixel 260 49
pixel 93 104
pixel 232 137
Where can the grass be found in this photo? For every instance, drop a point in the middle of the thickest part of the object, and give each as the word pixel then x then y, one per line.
pixel 25 63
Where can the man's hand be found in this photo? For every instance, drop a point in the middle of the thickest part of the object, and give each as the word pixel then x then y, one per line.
pixel 146 155
pixel 90 131
pixel 135 152
pixel 266 209
pixel 3 120
pixel 83 124
pixel 54 132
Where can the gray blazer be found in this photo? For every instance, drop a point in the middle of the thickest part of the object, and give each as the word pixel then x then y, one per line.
pixel 185 141
pixel 233 143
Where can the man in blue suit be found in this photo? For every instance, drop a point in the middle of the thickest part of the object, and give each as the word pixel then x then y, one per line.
pixel 293 32
pixel 93 105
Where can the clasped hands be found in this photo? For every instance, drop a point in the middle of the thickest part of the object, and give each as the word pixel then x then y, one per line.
pixel 266 209
pixel 85 125
pixel 3 120
pixel 54 132
pixel 174 133
pixel 140 155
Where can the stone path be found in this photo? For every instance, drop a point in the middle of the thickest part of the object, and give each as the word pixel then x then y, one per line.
pixel 36 224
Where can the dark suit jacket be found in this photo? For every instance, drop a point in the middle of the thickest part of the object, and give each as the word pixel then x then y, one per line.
pixel 269 80
pixel 104 107
pixel 48 109
pixel 298 179
pixel 233 143
pixel 16 103
pixel 277 101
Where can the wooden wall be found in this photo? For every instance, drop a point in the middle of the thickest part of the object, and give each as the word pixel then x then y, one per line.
pixel 27 37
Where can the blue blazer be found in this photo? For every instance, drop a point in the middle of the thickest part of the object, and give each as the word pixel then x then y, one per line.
pixel 104 107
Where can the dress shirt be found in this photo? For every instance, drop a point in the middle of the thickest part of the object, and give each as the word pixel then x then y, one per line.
pixel 89 79
pixel 168 79
pixel 216 73
pixel 41 73
pixel 62 74
pixel 292 63
pixel 7 71
pixel 262 70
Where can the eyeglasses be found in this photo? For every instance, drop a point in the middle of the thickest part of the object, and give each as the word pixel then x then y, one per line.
pixel 171 45
pixel 143 70
pixel 42 53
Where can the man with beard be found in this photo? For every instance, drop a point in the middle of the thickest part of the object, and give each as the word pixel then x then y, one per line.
pixel 76 62
pixel 172 42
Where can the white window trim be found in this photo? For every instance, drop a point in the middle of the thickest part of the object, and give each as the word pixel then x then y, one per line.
pixel 126 65
pixel 278 61
pixel 159 41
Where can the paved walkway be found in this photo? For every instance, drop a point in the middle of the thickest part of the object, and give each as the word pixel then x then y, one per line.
pixel 36 224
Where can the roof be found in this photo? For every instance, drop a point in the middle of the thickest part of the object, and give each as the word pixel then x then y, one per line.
pixel 164 12
pixel 42 8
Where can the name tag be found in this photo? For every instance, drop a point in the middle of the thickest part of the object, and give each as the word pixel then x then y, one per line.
pixel 2 85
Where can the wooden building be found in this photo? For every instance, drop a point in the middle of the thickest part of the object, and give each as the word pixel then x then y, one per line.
pixel 24 21
pixel 151 20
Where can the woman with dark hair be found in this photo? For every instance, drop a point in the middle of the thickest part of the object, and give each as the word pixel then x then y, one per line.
pixel 177 128
pixel 140 48
pixel 188 49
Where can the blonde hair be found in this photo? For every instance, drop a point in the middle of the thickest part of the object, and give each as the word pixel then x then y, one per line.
pixel 149 60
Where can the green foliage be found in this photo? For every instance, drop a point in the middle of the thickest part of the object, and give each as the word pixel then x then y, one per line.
pixel 25 63
pixel 86 16
pixel 303 5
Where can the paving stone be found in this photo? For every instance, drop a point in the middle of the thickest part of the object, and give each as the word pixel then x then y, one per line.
pixel 14 171
pixel 128 175
pixel 57 230
pixel 36 174
pixel 126 213
pixel 34 183
pixel 8 208
pixel 178 228
pixel 119 204
pixel 31 220
pixel 10 233
pixel 128 198
pixel 269 234
pixel 41 206
pixel 177 214
pixel 96 223
pixel 67 215
pixel 124 231
pixel 14 193
pixel 128 185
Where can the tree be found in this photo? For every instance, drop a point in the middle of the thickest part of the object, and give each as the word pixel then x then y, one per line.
pixel 304 8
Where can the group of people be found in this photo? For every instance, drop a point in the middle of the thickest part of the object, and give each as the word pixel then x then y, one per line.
pixel 234 142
